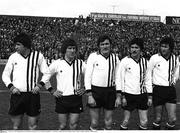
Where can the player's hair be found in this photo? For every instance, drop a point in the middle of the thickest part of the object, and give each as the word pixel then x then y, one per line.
pixel 24 39
pixel 102 38
pixel 168 40
pixel 66 43
pixel 137 41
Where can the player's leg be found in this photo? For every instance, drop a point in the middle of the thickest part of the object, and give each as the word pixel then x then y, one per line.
pixel 158 115
pixel 171 111
pixel 109 106
pixel 143 111
pixel 94 114
pixel 74 111
pixel 16 110
pixel 17 121
pixel 108 118
pixel 131 103
pixel 73 121
pixel 127 115
pixel 33 109
pixel 32 122
pixel 62 121
pixel 143 116
pixel 159 94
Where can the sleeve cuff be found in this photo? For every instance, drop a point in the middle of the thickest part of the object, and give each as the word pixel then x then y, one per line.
pixel 10 85
pixel 51 90
pixel 42 83
pixel 149 94
pixel 122 93
pixel 87 91
pixel 119 91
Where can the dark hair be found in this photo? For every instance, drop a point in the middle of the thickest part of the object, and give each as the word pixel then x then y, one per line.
pixel 66 43
pixel 24 39
pixel 102 39
pixel 168 40
pixel 137 41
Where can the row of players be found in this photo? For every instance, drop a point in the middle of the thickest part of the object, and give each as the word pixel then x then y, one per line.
pixel 133 83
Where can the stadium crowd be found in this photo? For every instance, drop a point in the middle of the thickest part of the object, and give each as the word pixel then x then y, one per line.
pixel 49 32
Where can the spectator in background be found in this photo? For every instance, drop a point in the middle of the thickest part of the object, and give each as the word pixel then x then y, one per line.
pixel 24 65
pixel 100 83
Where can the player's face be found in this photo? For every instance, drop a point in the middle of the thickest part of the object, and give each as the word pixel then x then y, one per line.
pixel 105 47
pixel 70 52
pixel 135 50
pixel 20 48
pixel 165 49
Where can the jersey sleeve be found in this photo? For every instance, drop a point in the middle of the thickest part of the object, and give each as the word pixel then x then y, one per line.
pixel 176 71
pixel 120 76
pixel 149 76
pixel 6 75
pixel 44 69
pixel 89 72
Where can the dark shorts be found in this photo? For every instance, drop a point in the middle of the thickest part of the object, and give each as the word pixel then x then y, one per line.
pixel 136 102
pixel 69 104
pixel 104 96
pixel 26 102
pixel 163 94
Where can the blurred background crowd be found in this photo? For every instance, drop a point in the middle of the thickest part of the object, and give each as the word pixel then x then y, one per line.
pixel 48 33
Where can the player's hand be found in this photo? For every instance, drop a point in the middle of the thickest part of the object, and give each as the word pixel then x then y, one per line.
pixel 118 101
pixel 124 101
pixel 80 91
pixel 35 90
pixel 149 103
pixel 57 93
pixel 91 101
pixel 15 90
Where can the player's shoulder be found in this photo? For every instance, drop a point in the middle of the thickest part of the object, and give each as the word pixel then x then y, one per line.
pixel 94 54
pixel 126 58
pixel 14 55
pixel 155 56
pixel 57 61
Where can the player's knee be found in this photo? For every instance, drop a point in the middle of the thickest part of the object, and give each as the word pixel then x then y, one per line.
pixel 108 120
pixel 32 123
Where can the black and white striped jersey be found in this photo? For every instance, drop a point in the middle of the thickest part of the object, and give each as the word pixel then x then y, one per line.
pixel 130 77
pixel 100 71
pixel 161 71
pixel 69 76
pixel 25 70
